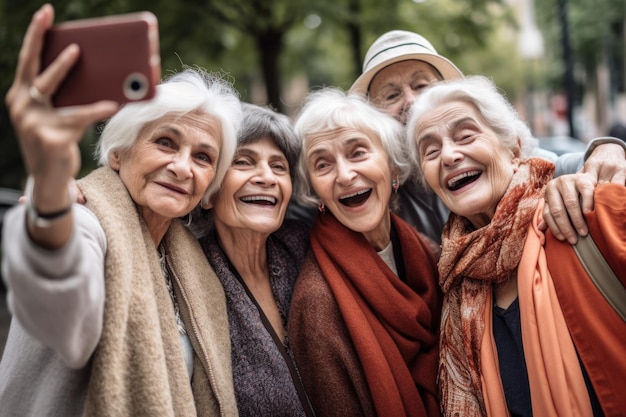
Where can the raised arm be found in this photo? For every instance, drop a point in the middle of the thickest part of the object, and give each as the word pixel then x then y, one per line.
pixel 53 251
pixel 48 137
pixel 57 296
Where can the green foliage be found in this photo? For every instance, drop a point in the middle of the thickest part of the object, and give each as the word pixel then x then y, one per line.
pixel 274 50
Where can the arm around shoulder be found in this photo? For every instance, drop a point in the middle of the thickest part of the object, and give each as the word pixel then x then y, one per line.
pixel 570 163
pixel 591 147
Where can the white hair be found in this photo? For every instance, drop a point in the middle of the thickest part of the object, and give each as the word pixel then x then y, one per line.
pixel 492 105
pixel 330 109
pixel 189 91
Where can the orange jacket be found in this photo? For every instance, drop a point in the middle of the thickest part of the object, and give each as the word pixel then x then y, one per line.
pixel 598 332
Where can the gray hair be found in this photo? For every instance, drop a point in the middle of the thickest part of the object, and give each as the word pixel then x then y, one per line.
pixel 185 92
pixel 492 105
pixel 331 109
pixel 260 122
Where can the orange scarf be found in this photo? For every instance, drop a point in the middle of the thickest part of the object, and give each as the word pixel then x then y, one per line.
pixel 393 325
pixel 554 312
pixel 557 387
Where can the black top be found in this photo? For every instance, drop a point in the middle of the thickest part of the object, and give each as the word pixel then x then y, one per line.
pixel 507 332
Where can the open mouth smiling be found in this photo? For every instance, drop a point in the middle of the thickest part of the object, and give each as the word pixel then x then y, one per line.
pixel 463 179
pixel 262 200
pixel 356 199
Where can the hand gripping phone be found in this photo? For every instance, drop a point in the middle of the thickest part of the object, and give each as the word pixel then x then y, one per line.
pixel 119 58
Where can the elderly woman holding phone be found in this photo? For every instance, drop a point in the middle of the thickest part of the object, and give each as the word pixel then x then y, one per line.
pixel 364 318
pixel 257 255
pixel 116 310
pixel 524 331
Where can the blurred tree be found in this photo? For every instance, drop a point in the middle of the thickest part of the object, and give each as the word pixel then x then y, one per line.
pixel 596 31
pixel 479 36
pixel 14 18
pixel 473 34
pixel 237 22
pixel 275 50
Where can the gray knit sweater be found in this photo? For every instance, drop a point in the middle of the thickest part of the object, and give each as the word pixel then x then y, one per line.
pixel 263 383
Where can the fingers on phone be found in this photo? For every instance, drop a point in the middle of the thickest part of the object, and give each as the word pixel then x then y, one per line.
pixel 55 73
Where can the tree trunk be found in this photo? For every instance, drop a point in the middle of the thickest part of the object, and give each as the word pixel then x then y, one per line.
pixel 356 35
pixel 568 62
pixel 270 44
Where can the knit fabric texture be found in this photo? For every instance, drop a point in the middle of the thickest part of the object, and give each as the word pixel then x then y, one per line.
pixel 392 325
pixel 263 384
pixel 138 367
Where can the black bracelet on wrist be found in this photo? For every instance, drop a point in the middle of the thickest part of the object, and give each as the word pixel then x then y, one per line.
pixel 45 219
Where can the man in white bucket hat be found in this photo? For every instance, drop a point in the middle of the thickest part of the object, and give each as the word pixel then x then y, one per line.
pixel 396 68
pixel 399 65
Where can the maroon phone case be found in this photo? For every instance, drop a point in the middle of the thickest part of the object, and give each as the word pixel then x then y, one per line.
pixel 119 58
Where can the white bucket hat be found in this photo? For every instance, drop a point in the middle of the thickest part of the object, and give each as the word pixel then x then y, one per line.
pixel 401 45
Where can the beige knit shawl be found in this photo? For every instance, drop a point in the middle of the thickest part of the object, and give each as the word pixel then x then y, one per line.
pixel 138 367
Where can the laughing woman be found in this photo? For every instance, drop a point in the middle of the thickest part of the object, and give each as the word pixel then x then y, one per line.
pixel 524 330
pixel 257 257
pixel 364 321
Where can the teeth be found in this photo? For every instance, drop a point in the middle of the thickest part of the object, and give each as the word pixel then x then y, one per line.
pixel 253 198
pixel 458 178
pixel 354 194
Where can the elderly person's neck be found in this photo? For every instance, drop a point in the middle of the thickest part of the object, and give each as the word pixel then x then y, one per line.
pixel 246 250
pixel 380 237
pixel 157 225
pixel 480 220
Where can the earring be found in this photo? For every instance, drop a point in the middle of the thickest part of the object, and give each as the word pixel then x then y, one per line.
pixel 321 208
pixel 395 185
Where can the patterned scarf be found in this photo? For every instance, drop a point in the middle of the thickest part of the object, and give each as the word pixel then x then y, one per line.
pixel 472 263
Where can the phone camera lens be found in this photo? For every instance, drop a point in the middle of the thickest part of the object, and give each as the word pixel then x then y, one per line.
pixel 136 86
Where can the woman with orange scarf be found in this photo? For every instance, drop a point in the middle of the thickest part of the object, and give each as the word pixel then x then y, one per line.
pixel 364 318
pixel 524 331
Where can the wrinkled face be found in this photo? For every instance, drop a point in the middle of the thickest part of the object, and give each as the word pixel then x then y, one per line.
pixel 464 161
pixel 396 86
pixel 256 189
pixel 350 172
pixel 171 164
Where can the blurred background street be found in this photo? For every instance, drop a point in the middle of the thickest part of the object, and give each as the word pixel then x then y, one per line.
pixel 561 62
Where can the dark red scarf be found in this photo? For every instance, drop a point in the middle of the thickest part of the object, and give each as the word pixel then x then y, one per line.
pixel 394 326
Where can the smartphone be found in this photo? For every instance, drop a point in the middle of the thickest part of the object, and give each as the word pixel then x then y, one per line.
pixel 119 58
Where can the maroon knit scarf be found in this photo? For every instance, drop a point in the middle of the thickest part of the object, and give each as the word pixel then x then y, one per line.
pixel 471 263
